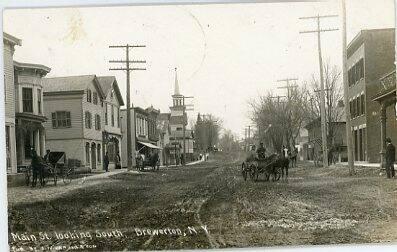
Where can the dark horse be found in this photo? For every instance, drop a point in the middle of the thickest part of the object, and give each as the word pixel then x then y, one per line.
pixel 152 160
pixel 280 162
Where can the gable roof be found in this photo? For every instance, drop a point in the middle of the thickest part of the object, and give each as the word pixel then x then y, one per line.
pixel 107 82
pixel 71 83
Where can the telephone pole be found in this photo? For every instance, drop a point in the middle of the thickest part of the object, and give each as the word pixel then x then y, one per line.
pixel 278 98
pixel 288 85
pixel 128 69
pixel 346 94
pixel 184 124
pixel 322 96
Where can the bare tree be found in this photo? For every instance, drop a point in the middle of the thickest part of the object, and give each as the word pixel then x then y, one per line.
pixel 333 98
pixel 280 121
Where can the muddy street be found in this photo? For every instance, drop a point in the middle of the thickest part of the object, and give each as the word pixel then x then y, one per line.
pixel 209 205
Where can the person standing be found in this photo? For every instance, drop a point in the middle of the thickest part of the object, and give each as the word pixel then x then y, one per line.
pixel 106 161
pixel 390 158
pixel 36 167
pixel 117 161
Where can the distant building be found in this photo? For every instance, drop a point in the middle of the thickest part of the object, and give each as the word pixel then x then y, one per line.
pixel 9 43
pixel 370 56
pixel 74 107
pixel 313 148
pixel 178 120
pixel 111 133
pixel 29 110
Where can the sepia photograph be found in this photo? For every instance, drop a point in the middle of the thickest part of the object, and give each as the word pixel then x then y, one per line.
pixel 201 125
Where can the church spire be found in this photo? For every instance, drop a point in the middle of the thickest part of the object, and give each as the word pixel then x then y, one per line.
pixel 176 87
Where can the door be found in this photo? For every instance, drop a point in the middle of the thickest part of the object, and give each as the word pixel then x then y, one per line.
pixel 93 156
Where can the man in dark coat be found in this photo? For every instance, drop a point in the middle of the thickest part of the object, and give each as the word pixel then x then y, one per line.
pixel 390 158
pixel 106 162
pixel 36 167
pixel 261 151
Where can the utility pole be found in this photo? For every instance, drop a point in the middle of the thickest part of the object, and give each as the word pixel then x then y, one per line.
pixel 127 68
pixel 184 124
pixel 346 94
pixel 288 86
pixel 278 98
pixel 322 96
pixel 245 139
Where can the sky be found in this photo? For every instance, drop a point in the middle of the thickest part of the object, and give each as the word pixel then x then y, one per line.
pixel 226 54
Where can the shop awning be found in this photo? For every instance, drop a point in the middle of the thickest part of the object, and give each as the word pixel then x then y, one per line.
pixel 150 145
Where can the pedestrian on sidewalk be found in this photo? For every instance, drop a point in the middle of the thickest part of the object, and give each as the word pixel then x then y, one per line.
pixel 118 161
pixel 106 162
pixel 390 158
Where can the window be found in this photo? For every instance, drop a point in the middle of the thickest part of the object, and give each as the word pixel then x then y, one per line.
pixel 27 100
pixel 97 122
pixel 112 113
pixel 106 114
pixel 359 112
pixel 89 98
pixel 98 154
pixel 361 66
pixel 61 119
pixel 88 120
pixel 39 100
pixel 87 153
pixel 362 104
pixel 8 146
pixel 5 89
pixel 95 98
pixel 111 93
pixel 118 118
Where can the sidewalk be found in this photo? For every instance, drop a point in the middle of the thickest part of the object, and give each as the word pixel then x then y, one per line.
pixel 361 164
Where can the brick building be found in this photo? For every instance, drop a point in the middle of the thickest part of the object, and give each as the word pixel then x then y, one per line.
pixel 370 56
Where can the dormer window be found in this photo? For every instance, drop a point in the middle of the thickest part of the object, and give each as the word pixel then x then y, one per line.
pixel 89 97
pixel 95 98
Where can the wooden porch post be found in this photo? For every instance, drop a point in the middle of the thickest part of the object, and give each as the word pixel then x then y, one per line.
pixel 382 135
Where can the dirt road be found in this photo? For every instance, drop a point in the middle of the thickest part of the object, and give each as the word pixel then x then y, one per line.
pixel 208 205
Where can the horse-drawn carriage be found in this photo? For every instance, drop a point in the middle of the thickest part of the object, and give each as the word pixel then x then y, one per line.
pixel 273 165
pixel 49 170
pixel 152 160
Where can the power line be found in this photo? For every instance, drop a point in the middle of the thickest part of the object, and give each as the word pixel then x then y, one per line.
pixel 322 96
pixel 127 68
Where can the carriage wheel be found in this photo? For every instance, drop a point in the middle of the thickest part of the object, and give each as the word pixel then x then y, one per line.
pixel 243 171
pixel 277 174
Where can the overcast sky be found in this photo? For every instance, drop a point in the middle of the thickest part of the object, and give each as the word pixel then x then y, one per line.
pixel 226 54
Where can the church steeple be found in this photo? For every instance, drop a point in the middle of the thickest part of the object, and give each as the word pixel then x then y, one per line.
pixel 176 87
pixel 177 97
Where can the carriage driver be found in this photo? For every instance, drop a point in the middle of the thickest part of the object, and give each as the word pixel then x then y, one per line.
pixel 261 151
pixel 252 156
